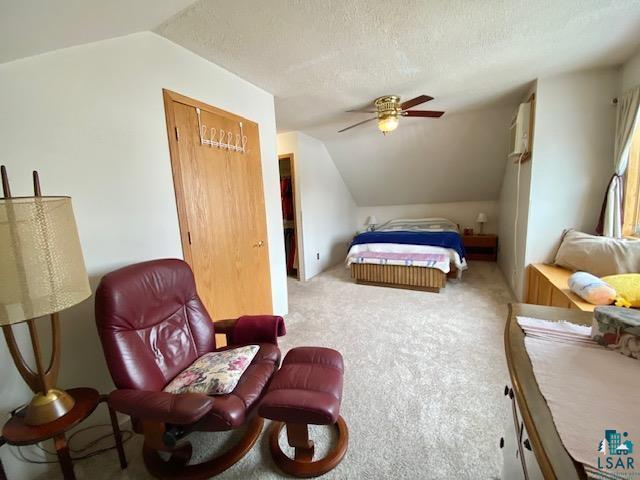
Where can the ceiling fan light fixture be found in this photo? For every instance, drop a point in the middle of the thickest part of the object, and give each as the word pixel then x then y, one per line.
pixel 388 123
pixel 389 109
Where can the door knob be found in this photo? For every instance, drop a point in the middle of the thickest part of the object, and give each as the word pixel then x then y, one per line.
pixel 259 244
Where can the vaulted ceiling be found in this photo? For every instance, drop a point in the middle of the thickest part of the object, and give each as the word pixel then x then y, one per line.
pixel 31 27
pixel 320 58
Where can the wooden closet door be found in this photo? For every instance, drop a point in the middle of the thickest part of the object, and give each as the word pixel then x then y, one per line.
pixel 221 208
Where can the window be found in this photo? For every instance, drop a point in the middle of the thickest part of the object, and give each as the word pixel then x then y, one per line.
pixel 631 220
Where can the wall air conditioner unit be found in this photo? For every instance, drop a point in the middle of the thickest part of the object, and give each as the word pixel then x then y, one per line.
pixel 519 130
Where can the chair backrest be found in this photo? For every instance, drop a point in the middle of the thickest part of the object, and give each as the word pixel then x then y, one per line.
pixel 152 323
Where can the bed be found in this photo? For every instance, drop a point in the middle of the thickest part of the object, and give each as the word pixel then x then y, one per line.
pixel 418 254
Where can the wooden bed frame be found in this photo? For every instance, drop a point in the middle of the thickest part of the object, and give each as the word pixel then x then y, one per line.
pixel 400 276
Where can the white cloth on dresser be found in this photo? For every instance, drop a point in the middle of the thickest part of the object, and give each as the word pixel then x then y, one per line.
pixel 589 388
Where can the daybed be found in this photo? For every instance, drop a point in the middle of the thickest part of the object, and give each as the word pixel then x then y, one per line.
pixel 580 252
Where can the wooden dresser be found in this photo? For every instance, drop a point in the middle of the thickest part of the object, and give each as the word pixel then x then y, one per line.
pixel 481 247
pixel 531 447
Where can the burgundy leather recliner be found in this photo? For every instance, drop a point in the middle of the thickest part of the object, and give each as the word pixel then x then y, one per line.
pixel 152 325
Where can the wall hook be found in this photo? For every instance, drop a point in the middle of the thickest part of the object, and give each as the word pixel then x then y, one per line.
pixel 225 138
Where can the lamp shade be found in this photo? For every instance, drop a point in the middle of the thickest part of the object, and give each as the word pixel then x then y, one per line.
pixel 482 218
pixel 42 269
pixel 372 220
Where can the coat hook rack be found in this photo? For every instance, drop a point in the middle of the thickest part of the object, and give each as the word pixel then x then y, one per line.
pixel 221 139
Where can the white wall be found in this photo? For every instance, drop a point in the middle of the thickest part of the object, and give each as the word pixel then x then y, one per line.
pixel 326 210
pixel 630 73
pixel 462 213
pixel 572 157
pixel 513 206
pixel 564 184
pixel 511 249
pixel 455 158
pixel 91 120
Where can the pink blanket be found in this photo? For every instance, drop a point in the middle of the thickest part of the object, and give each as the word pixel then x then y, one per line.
pixel 423 257
pixel 592 393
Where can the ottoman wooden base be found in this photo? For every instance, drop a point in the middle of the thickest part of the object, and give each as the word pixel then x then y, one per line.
pixel 303 464
pixel 307 390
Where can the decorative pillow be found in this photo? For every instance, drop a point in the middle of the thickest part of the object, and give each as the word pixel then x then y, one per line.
pixel 215 373
pixel 628 288
pixel 591 289
pixel 599 256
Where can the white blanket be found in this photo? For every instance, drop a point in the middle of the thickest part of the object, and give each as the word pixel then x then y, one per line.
pixel 431 224
pixel 443 266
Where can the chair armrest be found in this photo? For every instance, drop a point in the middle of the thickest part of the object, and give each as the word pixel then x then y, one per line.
pixel 254 329
pixel 225 327
pixel 177 409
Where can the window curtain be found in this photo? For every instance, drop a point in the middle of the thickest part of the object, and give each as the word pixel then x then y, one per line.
pixel 627 120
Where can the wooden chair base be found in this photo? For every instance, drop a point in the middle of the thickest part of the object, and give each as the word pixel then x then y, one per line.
pixel 303 464
pixel 176 466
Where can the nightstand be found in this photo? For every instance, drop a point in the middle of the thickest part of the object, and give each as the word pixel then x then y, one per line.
pixel 481 247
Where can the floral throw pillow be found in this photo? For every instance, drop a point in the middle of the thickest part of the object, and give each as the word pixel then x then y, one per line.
pixel 215 373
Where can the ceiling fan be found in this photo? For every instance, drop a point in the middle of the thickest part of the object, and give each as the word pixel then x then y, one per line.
pixel 389 110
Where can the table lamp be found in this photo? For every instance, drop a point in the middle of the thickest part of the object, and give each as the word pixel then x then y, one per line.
pixel 482 219
pixel 42 272
pixel 372 221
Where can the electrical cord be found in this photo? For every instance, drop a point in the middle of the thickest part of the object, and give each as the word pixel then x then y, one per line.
pixel 17 454
pixel 515 223
pixel 19 411
pixel 126 436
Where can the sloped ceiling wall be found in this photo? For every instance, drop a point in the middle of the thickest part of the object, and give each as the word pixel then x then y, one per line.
pixel 476 58
pixel 31 27
pixel 457 158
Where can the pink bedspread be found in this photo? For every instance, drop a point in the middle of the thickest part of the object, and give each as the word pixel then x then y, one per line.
pixel 423 257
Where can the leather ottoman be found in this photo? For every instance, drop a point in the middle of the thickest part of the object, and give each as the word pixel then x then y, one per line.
pixel 307 390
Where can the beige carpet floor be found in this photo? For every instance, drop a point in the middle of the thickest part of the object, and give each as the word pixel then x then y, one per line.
pixel 423 384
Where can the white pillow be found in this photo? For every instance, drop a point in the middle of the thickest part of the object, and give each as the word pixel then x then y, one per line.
pixel 215 373
pixel 600 256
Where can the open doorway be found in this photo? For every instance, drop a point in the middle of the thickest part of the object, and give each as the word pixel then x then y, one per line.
pixel 289 214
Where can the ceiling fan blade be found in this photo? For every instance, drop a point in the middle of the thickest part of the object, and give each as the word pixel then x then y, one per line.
pixel 357 124
pixel 422 113
pixel 415 101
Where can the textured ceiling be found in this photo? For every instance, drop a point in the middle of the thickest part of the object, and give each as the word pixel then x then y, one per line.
pixel 30 27
pixel 320 58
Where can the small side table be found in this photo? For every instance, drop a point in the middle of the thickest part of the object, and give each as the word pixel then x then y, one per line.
pixel 481 247
pixel 16 432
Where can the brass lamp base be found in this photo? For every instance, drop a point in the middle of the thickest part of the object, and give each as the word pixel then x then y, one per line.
pixel 45 408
